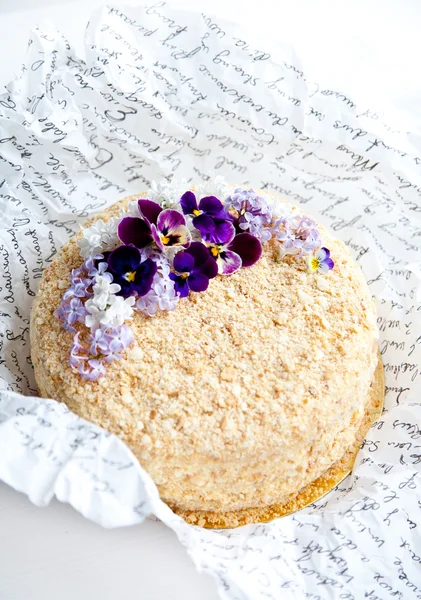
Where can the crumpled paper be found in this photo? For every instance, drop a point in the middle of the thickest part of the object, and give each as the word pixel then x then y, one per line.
pixel 169 94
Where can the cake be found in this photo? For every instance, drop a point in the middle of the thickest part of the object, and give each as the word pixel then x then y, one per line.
pixel 236 382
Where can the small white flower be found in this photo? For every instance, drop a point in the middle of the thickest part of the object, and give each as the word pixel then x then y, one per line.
pixel 93 319
pixel 119 311
pixel 168 194
pixel 103 290
pixel 215 186
pixel 131 211
pixel 100 237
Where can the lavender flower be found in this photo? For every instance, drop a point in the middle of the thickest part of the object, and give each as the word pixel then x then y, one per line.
pixel 93 266
pixel 92 370
pixel 162 295
pixel 70 312
pixel 298 235
pixel 105 343
pixel 110 342
pixel 165 228
pixel 79 288
pixel 193 269
pixel 251 213
pixel 75 358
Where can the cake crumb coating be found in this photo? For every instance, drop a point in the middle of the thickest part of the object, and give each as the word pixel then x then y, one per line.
pixel 241 396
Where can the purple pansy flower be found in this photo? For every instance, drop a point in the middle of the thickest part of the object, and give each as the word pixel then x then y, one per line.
pixel 235 251
pixel 166 228
pixel 209 216
pixel 320 261
pixel 193 269
pixel 128 270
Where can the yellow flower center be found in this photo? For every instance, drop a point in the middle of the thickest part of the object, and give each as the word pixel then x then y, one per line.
pixel 165 240
pixel 184 275
pixel 215 250
pixel 196 212
pixel 314 264
pixel 130 276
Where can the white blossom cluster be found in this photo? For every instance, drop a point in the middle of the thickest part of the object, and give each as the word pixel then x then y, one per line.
pixel 100 237
pixel 104 307
pixel 168 194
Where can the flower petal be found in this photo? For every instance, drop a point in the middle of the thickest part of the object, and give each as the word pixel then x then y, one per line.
pixel 188 203
pixel 184 262
pixel 206 226
pixel 134 231
pixel 224 232
pixel 214 231
pixel 199 252
pixel 248 247
pixel 313 263
pixel 144 277
pixel 326 265
pixel 149 210
pixel 211 206
pixel 198 282
pixel 124 259
pixel 203 261
pixel 157 238
pixel 180 236
pixel 210 268
pixel 321 254
pixel 228 262
pixel 181 285
pixel 168 220
pixel 127 288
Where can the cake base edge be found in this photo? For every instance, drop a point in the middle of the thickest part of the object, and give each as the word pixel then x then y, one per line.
pixel 311 492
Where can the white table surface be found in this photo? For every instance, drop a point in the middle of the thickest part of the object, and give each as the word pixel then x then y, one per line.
pixel 372 48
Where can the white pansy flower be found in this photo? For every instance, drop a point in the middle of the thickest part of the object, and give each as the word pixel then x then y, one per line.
pixel 100 237
pixel 103 290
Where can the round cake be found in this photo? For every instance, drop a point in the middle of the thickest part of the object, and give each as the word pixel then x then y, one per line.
pixel 252 387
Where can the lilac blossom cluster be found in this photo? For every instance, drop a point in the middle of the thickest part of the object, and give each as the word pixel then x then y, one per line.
pixel 297 235
pixel 251 213
pixel 109 337
pixel 153 256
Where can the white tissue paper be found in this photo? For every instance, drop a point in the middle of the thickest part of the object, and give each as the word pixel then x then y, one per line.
pixel 176 95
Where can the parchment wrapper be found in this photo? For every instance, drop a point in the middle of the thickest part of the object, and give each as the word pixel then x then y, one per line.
pixel 169 94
